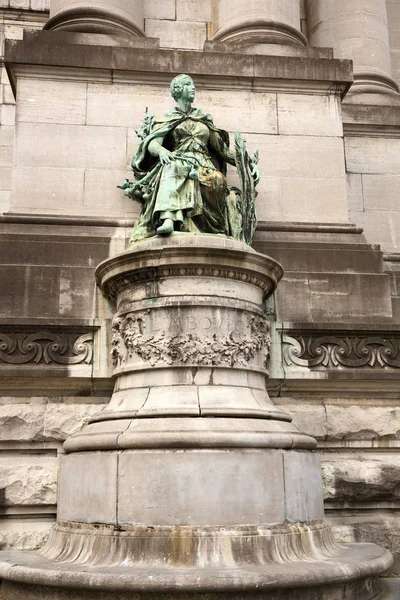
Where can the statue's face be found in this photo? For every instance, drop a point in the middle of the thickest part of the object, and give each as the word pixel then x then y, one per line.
pixel 188 91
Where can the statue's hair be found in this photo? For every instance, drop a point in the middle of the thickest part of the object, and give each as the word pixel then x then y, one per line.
pixel 176 84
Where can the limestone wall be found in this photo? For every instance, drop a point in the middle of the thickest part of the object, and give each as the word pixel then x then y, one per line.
pixel 298 136
pixel 372 147
pixel 357 434
pixel 15 15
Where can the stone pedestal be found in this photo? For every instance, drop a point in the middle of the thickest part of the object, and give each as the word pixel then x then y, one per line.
pixel 191 480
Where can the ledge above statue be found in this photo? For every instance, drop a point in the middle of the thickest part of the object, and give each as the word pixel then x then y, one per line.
pixel 130 63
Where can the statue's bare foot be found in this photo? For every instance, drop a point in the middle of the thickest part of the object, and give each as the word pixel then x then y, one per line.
pixel 167 227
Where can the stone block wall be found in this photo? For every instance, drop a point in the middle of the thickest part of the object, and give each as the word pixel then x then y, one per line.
pixel 178 23
pixel 373 171
pixel 86 147
pixel 15 16
pixel 32 432
pixel 358 435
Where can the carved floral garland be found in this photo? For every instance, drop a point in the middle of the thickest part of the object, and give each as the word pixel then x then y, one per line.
pixel 129 338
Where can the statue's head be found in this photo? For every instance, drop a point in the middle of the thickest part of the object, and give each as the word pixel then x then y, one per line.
pixel 182 85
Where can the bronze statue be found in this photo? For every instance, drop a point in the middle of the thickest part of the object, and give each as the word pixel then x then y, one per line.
pixel 179 170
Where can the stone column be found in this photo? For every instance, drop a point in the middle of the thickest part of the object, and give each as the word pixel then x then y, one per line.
pixel 254 23
pixel 122 18
pixel 355 29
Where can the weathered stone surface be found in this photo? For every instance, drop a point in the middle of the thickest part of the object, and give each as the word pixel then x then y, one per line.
pixel 153 9
pixel 30 480
pixel 174 62
pixel 353 572
pixel 327 297
pixel 113 201
pixel 233 21
pixel 194 10
pixel 29 183
pixel 362 422
pixel 372 155
pixel 354 29
pixel 24 534
pixel 303 495
pixel 40 5
pixel 309 115
pixel 356 478
pixel 68 104
pixel 158 487
pixel 88 488
pixel 119 17
pixel 382 529
pixel 74 145
pixel 22 422
pixel 62 420
pixel 38 422
pixel 309 418
pixel 177 34
pixel 305 165
pixel 381 192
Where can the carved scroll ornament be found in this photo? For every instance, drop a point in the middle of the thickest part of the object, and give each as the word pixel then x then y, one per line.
pixel 46 347
pixel 333 352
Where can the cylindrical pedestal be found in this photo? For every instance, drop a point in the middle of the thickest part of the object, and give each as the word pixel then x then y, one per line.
pixel 121 18
pixel 358 30
pixel 191 481
pixel 251 25
pixel 190 432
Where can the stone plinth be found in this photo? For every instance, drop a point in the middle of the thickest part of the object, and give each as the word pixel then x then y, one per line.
pixel 191 480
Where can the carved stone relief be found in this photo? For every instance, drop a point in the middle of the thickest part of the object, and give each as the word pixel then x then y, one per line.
pixel 347 352
pixel 130 337
pixel 46 347
pixel 151 275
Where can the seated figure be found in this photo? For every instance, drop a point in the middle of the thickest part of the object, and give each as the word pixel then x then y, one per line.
pixel 180 168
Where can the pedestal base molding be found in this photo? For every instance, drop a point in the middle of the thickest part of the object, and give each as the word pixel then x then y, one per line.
pixel 351 574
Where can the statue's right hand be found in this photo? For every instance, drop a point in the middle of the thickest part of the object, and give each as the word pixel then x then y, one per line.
pixel 165 156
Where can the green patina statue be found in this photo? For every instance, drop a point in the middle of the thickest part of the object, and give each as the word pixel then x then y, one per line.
pixel 179 174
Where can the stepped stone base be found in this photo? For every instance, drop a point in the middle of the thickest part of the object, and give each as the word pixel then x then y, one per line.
pixel 351 575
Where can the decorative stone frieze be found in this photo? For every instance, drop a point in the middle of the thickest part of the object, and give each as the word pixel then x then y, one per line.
pixel 45 347
pixel 114 287
pixel 131 337
pixel 318 351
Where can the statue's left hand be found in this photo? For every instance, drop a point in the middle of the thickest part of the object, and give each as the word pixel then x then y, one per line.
pixel 255 173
